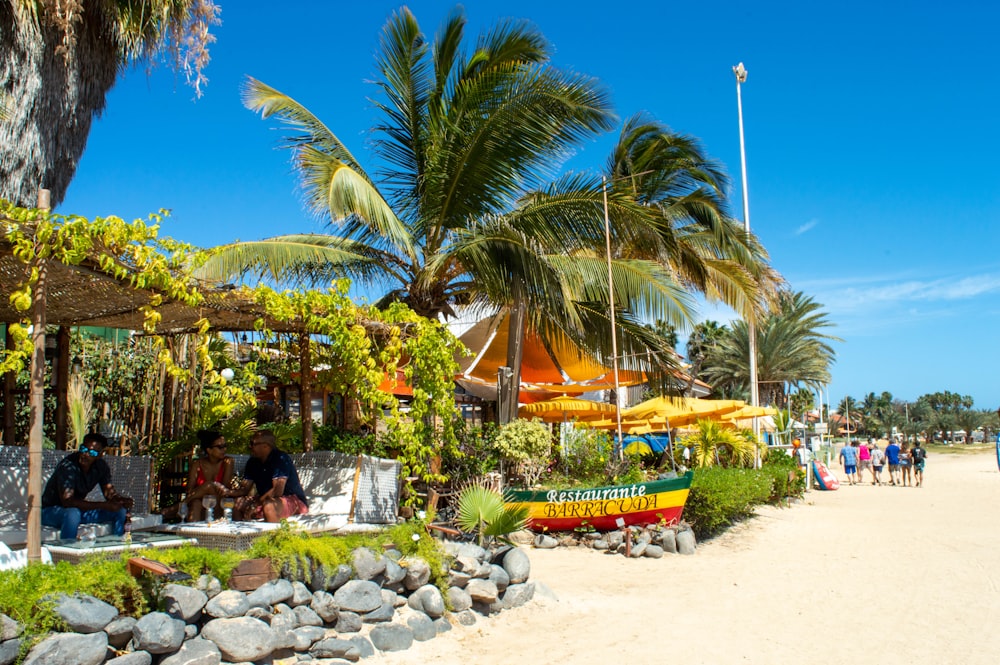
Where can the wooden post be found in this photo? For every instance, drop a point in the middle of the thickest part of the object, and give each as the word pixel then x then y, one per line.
pixel 9 383
pixel 62 387
pixel 305 392
pixel 515 355
pixel 37 403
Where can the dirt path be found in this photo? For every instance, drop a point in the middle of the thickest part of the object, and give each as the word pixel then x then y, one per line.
pixel 861 575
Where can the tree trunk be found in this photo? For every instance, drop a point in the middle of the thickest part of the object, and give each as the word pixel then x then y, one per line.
pixel 305 392
pixel 58 89
pixel 515 355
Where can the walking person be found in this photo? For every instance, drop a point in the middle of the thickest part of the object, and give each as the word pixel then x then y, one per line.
pixel 892 459
pixel 849 456
pixel 864 459
pixel 918 456
pixel 904 463
pixel 878 460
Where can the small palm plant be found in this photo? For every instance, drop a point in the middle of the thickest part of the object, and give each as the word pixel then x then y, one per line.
pixel 80 403
pixel 713 444
pixel 482 511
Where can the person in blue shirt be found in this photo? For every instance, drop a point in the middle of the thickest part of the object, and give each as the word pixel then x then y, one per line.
pixel 849 456
pixel 271 472
pixel 892 459
pixel 64 499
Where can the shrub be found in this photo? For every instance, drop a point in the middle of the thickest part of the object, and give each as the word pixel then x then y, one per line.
pixel 585 455
pixel 778 464
pixel 719 497
pixel 526 444
pixel 474 457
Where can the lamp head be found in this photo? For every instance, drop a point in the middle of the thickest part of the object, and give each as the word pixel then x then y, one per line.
pixel 741 73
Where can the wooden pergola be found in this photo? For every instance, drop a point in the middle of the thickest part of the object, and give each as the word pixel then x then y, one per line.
pixel 86 295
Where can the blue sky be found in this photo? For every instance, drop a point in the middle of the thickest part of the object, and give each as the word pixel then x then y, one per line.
pixel 871 134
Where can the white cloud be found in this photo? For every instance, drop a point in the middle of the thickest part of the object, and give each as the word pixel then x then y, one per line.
pixel 808 226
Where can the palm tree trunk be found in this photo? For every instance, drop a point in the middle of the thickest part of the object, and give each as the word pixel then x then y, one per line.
pixel 515 355
pixel 54 85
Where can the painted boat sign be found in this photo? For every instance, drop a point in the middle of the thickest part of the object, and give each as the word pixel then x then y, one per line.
pixel 654 502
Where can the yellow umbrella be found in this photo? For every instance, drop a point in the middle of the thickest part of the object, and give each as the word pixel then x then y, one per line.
pixel 678 409
pixel 749 411
pixel 561 408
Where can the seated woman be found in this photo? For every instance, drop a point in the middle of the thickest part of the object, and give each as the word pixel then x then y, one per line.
pixel 211 473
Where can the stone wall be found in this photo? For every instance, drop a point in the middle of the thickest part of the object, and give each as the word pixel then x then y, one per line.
pixel 383 602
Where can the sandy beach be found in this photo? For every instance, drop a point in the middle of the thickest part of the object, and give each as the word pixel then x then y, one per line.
pixel 860 575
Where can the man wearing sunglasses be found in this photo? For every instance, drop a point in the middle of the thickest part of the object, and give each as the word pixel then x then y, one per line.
pixel 64 503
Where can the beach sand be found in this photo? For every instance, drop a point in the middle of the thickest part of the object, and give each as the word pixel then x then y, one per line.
pixel 860 575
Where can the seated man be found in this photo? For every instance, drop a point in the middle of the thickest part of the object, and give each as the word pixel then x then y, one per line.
pixel 64 503
pixel 279 492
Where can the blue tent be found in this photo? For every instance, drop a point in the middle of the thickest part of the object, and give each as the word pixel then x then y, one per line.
pixel 654 442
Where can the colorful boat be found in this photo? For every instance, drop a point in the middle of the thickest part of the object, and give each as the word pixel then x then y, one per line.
pixel 654 502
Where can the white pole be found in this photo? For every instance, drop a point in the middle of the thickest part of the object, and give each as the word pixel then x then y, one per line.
pixel 619 448
pixel 741 77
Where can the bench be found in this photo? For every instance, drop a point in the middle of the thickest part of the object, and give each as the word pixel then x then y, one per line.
pixel 130 476
pixel 346 493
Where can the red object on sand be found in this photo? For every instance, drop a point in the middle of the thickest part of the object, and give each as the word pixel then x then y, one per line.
pixel 824 479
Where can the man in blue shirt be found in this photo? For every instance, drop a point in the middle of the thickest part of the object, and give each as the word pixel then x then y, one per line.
pixel 849 456
pixel 892 459
pixel 272 473
pixel 64 502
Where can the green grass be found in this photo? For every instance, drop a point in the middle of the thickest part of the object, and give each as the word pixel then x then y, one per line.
pixel 960 448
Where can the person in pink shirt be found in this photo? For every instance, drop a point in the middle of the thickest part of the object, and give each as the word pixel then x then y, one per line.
pixel 864 459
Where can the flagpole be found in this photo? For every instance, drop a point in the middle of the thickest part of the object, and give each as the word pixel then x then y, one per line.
pixel 614 334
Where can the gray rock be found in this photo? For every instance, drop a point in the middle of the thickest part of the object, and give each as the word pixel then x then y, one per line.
pixel 518 594
pixel 84 614
pixel 134 658
pixel 459 599
pixel 301 595
pixel 367 565
pixel 120 631
pixel 227 605
pixel 306 636
pixel 686 542
pixel 209 584
pixel 240 639
pixel 485 570
pixel 382 614
pixel 422 626
pixel 427 599
pixel 394 554
pixel 543 591
pixel 306 616
pixel 9 629
pixel 183 602
pixel 363 645
pixel 391 637
pixel 358 596
pixel 284 621
pixel 466 564
pixel 466 617
pixel 190 631
pixel 545 542
pixel 668 541
pixel 653 552
pixel 499 577
pixel 260 613
pixel 442 625
pixel 335 648
pixel 157 633
pixel 195 652
pixel 391 598
pixel 282 640
pixel 638 549
pixel 348 622
pixel 473 550
pixel 394 573
pixel 69 649
pixel 340 577
pixel 482 591
pixel 615 539
pixel 325 606
pixel 600 544
pixel 458 579
pixel 271 593
pixel 488 609
pixel 517 565
pixel 10 650
pixel 418 573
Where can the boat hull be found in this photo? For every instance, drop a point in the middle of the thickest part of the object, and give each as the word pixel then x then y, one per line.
pixel 600 508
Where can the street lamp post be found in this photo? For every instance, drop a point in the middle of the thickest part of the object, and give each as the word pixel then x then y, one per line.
pixel 741 77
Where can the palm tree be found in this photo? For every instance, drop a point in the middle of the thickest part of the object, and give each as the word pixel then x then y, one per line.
pixel 463 213
pixel 60 59
pixel 791 351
